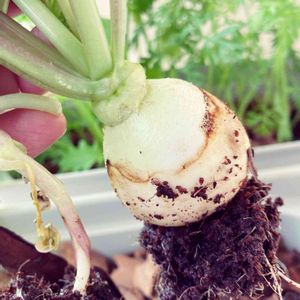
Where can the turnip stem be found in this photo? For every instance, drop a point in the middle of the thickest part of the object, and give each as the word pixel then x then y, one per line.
pixel 34 65
pixel 70 18
pixel 93 37
pixel 64 41
pixel 118 11
pixel 15 29
pixel 30 101
pixel 4 5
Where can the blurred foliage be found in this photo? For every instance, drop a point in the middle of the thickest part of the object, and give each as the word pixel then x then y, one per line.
pixel 81 147
pixel 216 45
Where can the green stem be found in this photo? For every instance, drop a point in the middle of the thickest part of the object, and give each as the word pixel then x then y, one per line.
pixel 93 37
pixel 12 28
pixel 70 18
pixel 30 101
pixel 28 62
pixel 118 11
pixel 32 65
pixel 247 96
pixel 4 5
pixel 28 56
pixel 63 40
pixel 281 96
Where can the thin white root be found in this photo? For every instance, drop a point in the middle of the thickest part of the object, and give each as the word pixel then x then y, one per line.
pixel 277 286
pixel 289 280
pixel 83 273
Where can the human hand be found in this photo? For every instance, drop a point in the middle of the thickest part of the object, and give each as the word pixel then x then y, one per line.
pixel 34 129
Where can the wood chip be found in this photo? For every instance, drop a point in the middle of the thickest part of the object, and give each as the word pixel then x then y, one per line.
pixel 146 276
pixel 16 252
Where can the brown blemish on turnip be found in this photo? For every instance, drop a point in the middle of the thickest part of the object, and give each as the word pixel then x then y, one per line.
pixel 208 125
pixel 211 114
pixel 125 172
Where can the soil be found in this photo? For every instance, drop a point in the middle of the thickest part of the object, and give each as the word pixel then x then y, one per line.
pixel 31 287
pixel 229 254
pixel 136 276
pixel 45 276
pixel 16 253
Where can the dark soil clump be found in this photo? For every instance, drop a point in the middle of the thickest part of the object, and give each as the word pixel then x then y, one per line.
pixel 229 254
pixel 30 287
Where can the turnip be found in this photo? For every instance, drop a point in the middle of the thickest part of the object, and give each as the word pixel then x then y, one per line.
pixel 202 159
pixel 174 153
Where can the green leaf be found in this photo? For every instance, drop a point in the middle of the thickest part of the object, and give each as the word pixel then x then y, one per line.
pixel 82 157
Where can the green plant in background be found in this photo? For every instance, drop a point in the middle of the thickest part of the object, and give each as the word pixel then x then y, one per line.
pixel 81 147
pixel 211 45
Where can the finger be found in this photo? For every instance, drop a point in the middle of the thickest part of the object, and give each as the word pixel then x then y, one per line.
pixel 13 10
pixel 26 86
pixel 8 82
pixel 34 129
